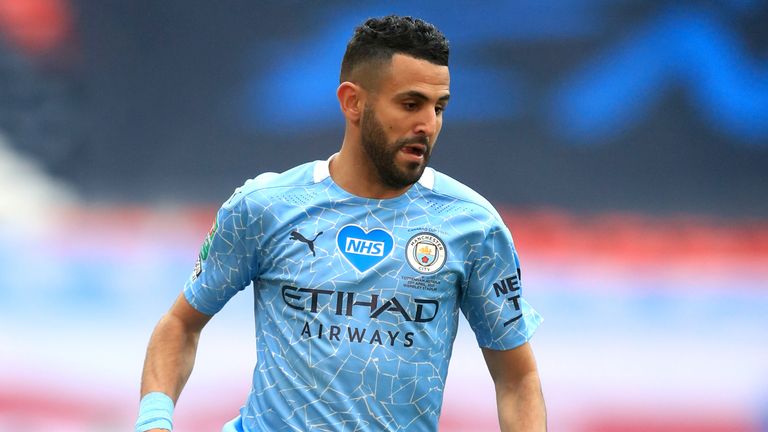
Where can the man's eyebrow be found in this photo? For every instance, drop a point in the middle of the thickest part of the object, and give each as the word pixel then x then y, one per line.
pixel 420 96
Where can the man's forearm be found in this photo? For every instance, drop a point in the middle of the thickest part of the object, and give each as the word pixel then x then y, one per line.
pixel 170 357
pixel 521 406
pixel 168 364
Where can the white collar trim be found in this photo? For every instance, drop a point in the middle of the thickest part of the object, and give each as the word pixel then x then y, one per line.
pixel 322 169
pixel 427 178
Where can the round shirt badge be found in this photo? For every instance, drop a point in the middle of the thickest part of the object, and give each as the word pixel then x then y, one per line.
pixel 425 253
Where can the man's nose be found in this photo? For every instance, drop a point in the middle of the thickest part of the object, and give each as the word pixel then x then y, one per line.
pixel 427 122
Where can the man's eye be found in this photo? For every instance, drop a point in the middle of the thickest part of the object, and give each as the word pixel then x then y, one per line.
pixel 439 109
pixel 410 106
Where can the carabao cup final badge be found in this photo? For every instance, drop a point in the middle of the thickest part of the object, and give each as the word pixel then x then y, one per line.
pixel 425 253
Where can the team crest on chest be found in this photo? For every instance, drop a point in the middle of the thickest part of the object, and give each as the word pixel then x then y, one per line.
pixel 426 253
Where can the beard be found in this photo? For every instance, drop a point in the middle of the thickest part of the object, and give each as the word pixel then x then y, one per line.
pixel 383 154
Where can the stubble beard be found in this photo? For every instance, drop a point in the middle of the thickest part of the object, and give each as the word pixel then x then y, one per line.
pixel 383 154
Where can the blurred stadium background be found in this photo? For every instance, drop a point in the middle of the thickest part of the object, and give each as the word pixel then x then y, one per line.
pixel 625 142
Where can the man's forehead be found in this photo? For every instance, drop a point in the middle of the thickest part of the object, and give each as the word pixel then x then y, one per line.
pixel 409 74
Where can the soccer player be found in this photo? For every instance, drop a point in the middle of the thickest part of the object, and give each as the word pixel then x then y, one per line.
pixel 360 265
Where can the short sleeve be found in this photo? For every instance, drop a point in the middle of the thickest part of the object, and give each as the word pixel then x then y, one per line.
pixel 493 300
pixel 227 260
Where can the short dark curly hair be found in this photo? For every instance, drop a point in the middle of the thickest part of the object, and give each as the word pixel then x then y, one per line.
pixel 378 39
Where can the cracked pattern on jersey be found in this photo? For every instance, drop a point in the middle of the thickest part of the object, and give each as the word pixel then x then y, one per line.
pixel 343 346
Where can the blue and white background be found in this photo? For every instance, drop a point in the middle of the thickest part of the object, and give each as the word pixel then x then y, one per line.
pixel 625 143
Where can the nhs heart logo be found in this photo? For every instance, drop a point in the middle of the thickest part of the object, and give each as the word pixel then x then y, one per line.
pixel 364 249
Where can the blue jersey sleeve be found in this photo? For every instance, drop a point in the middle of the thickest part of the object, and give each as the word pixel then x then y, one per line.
pixel 227 261
pixel 492 301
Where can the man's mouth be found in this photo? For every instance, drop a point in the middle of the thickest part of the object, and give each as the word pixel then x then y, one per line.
pixel 415 149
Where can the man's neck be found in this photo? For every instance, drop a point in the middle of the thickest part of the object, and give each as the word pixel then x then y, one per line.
pixel 352 170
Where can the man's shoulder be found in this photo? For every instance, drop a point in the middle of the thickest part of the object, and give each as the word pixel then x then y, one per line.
pixel 267 184
pixel 453 190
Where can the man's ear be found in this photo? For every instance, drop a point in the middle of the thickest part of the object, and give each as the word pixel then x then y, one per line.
pixel 351 100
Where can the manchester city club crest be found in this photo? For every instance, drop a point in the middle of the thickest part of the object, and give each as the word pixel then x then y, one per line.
pixel 425 253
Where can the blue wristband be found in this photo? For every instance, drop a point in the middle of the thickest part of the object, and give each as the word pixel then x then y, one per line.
pixel 155 412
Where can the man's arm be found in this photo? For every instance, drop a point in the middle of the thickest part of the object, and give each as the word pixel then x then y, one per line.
pixel 172 349
pixel 519 400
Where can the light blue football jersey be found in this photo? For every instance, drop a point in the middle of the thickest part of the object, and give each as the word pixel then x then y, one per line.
pixel 357 300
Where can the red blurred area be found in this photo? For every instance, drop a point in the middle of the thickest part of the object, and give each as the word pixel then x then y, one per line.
pixel 632 242
pixel 669 245
pixel 36 27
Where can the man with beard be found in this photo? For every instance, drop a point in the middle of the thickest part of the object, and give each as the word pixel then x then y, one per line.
pixel 355 327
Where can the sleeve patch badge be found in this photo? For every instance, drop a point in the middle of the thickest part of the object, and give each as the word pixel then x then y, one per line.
pixel 206 247
pixel 197 270
pixel 204 250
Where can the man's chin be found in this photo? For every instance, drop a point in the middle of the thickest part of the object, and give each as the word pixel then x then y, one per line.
pixel 414 173
pixel 404 178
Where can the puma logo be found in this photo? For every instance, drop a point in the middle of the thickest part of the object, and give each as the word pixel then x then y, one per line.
pixel 295 235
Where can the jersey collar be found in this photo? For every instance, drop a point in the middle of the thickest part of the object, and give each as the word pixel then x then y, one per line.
pixel 322 171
